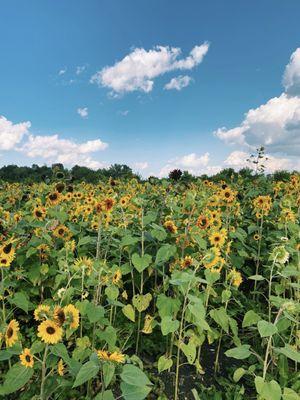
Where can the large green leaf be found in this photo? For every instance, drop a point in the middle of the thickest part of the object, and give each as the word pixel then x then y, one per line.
pixel 289 352
pixel 240 352
pixel 266 329
pixel 88 371
pixel 168 325
pixel 250 318
pixel 132 375
pixel 141 262
pixel 16 377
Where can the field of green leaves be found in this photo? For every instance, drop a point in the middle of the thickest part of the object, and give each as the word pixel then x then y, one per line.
pixel 150 290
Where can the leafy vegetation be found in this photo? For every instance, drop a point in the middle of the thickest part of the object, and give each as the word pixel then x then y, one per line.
pixel 166 289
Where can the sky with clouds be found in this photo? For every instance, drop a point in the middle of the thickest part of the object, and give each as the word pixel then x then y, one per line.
pixel 157 85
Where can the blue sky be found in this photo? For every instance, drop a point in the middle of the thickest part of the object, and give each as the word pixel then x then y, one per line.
pixel 53 110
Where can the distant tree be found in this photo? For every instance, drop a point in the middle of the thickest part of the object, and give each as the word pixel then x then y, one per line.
pixel 175 175
pixel 258 160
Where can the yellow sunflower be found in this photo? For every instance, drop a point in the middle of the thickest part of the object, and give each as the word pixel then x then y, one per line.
pixel 72 316
pixel 26 358
pixel 50 332
pixel 217 239
pixel 42 312
pixel 60 368
pixel 11 334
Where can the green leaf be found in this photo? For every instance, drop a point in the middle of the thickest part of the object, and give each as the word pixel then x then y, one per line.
pixel 221 318
pixel 16 377
pixel 240 352
pixel 107 395
pixel 129 312
pixel 250 318
pixel 94 313
pixel 141 302
pixel 289 352
pixel 164 253
pixel 88 371
pixel 128 240
pixel 131 392
pixel 167 306
pixel 189 351
pixel 108 373
pixel 290 394
pixel 267 390
pixel 132 375
pixel 266 329
pixel 168 325
pixel 21 301
pixel 141 262
pixel 164 363
pixel 85 240
pixel 238 374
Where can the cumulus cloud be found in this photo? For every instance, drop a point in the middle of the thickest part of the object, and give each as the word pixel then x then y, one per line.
pixel 141 165
pixel 138 69
pixel 178 83
pixel 275 124
pixel 83 112
pixel 192 163
pixel 291 77
pixel 80 69
pixel 62 71
pixel 54 149
pixel 49 148
pixel 12 134
pixel 238 159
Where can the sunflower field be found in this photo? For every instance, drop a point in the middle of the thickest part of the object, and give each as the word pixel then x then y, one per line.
pixel 150 290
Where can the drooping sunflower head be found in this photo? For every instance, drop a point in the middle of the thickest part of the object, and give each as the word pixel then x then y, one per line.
pixel 72 316
pixel 26 358
pixel 59 315
pixel 11 334
pixel 50 332
pixel 42 312
pixel 116 277
pixel 170 226
pixel 60 368
pixel 85 263
pixel 186 262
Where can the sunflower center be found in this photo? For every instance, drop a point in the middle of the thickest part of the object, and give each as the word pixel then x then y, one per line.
pixel 10 332
pixel 27 358
pixel 50 330
pixel 7 248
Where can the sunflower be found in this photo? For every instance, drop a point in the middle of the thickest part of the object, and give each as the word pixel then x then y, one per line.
pixel 60 368
pixel 217 239
pixel 72 316
pixel 11 334
pixel 42 312
pixel 61 231
pixel 107 356
pixel 212 258
pixel 170 226
pixel 147 329
pixel 85 263
pixel 39 213
pixel 235 277
pixel 26 358
pixel 124 201
pixel 59 316
pixel 186 262
pixel 108 203
pixel 50 332
pixel 7 250
pixel 227 195
pixel 5 261
pixel 116 277
pixel 256 236
pixel 203 222
pixel 53 198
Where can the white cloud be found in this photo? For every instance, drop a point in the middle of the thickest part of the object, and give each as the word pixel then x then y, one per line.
pixel 291 77
pixel 124 113
pixel 62 71
pixel 238 159
pixel 12 134
pixel 141 165
pixel 275 125
pixel 138 69
pixel 54 149
pixel 80 69
pixel 83 112
pixel 178 83
pixel 196 165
